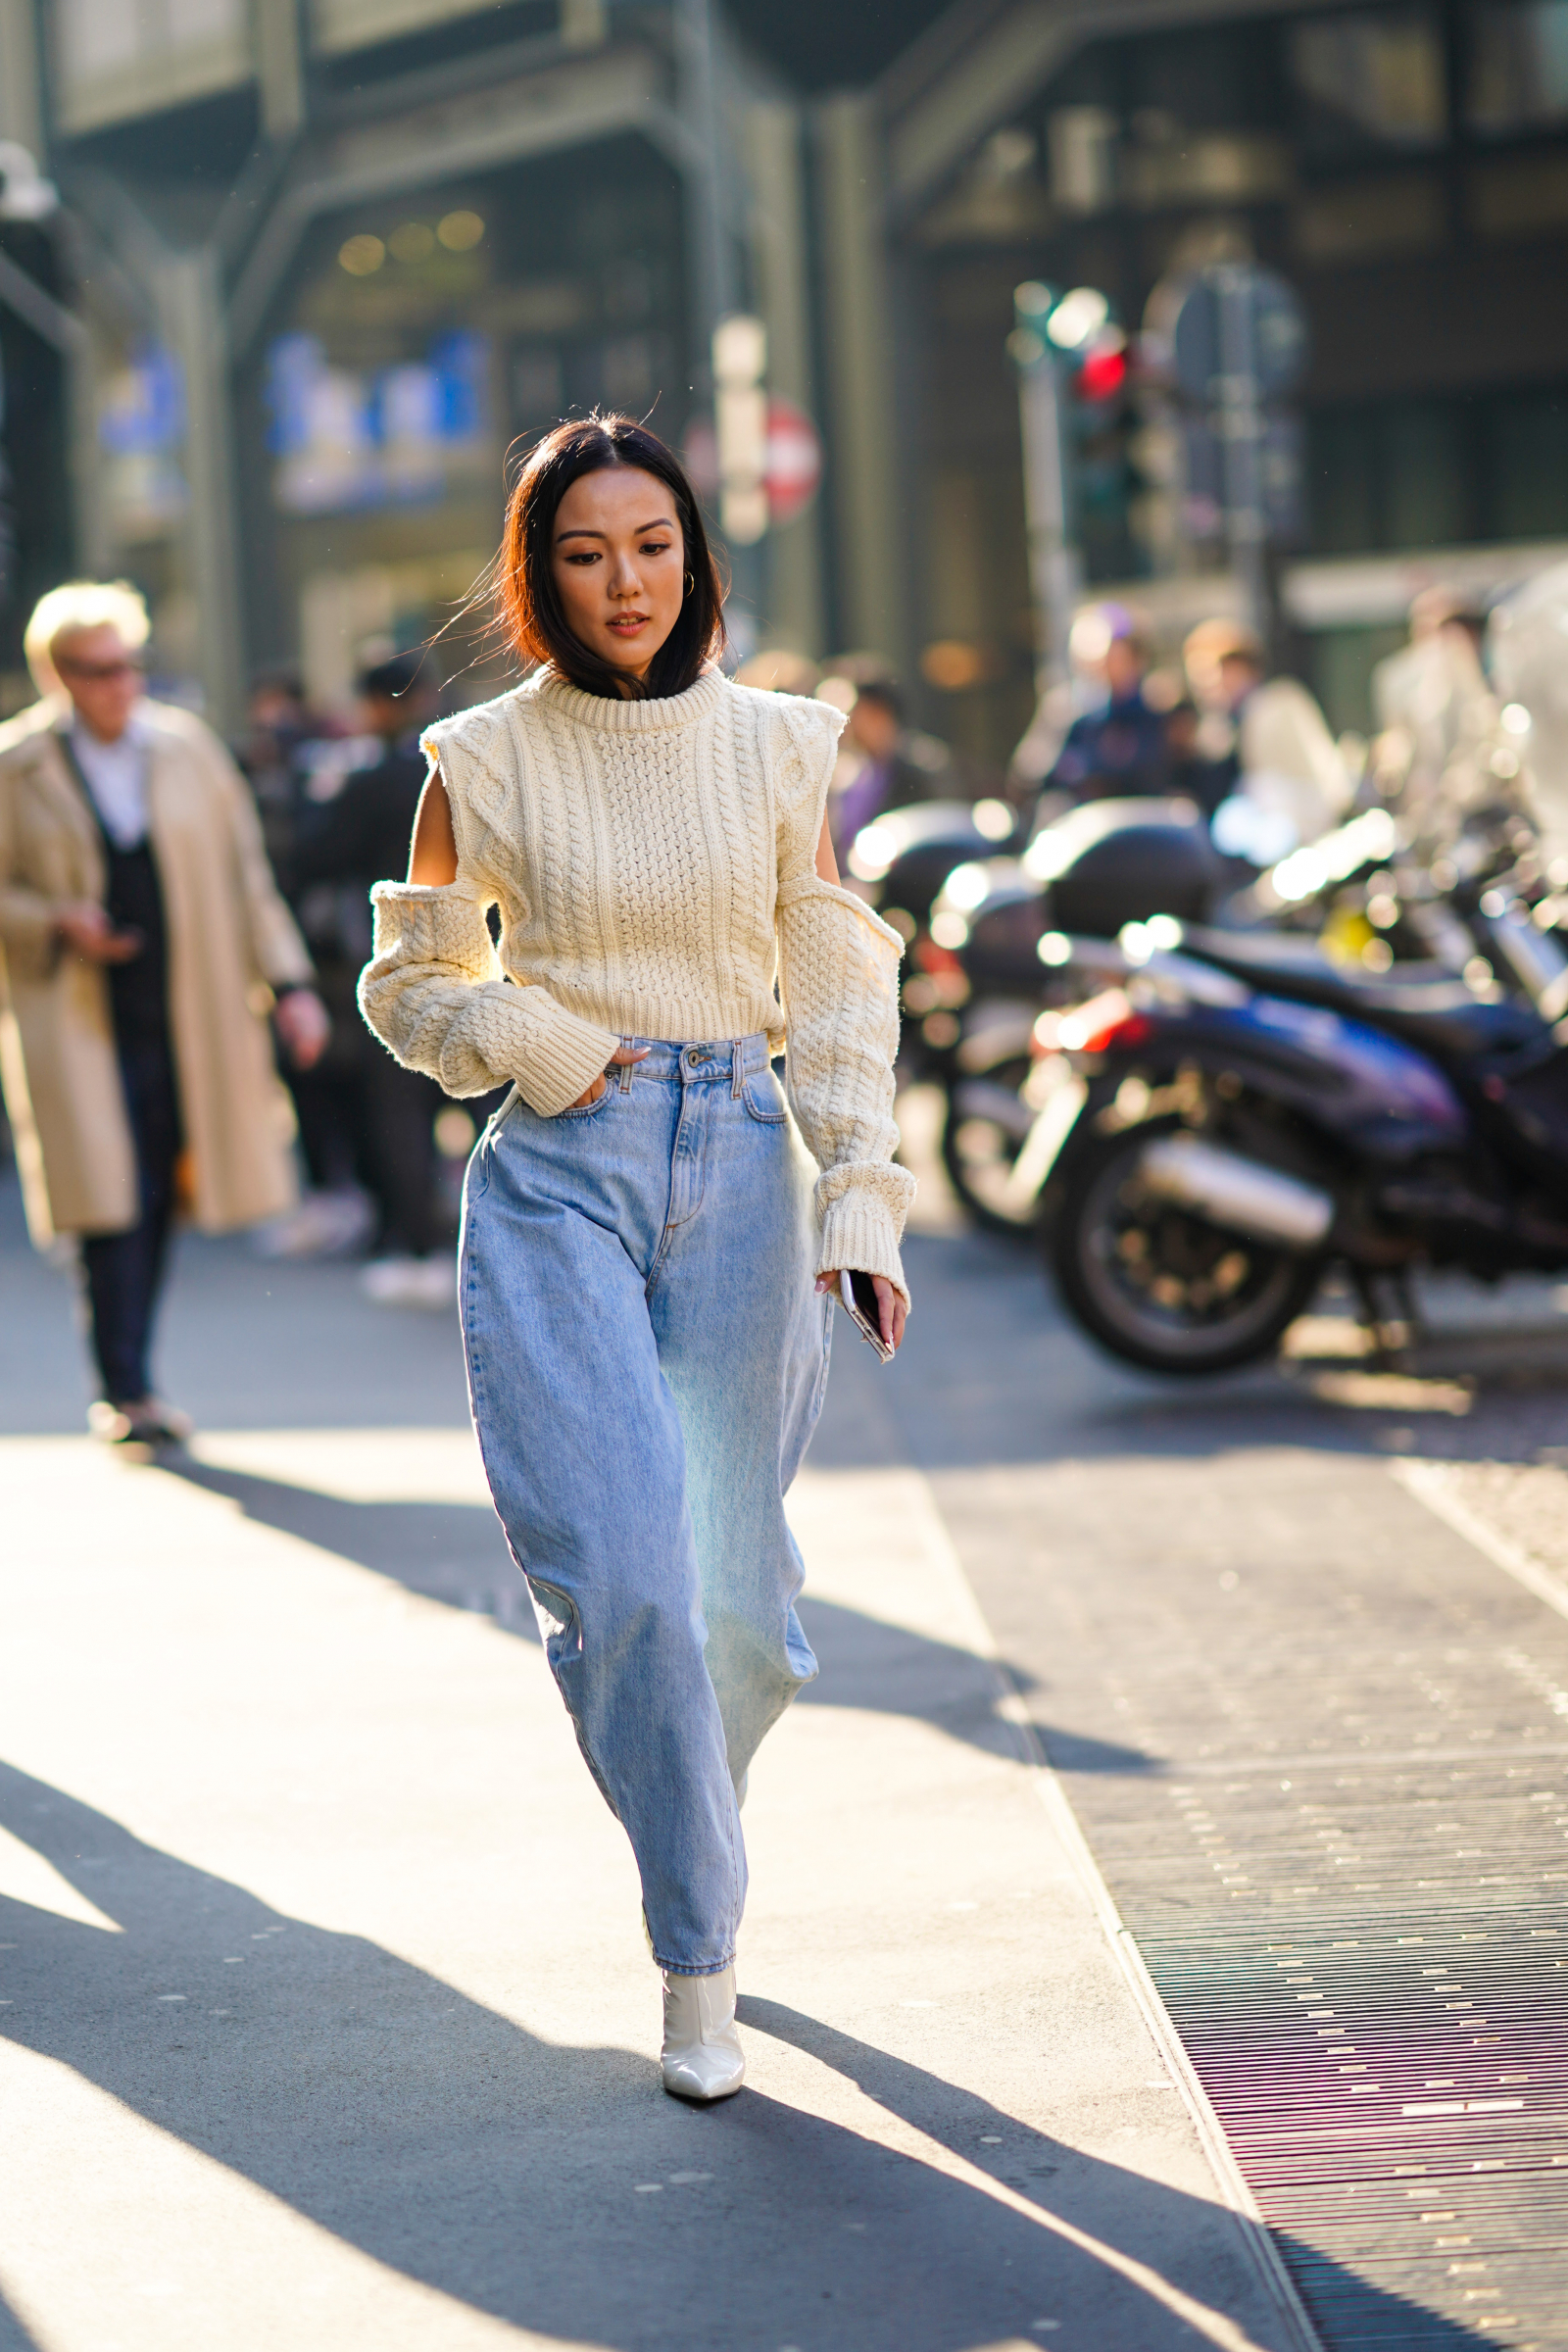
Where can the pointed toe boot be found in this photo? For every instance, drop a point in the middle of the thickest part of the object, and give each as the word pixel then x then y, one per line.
pixel 702 2058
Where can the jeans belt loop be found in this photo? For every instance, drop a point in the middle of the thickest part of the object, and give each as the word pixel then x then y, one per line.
pixel 626 1069
pixel 737 1065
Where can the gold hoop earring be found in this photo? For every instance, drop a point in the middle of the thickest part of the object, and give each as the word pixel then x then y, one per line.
pixel 691 584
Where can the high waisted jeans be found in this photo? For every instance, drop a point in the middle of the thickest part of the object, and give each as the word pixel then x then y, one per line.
pixel 647 1359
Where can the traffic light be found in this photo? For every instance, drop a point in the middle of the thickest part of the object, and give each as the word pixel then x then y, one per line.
pixel 1103 423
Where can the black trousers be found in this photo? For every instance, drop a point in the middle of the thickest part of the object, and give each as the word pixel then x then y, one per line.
pixel 122 1272
pixel 401 1159
pixel 363 1119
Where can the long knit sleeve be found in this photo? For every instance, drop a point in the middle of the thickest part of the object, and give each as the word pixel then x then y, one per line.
pixel 839 982
pixel 435 993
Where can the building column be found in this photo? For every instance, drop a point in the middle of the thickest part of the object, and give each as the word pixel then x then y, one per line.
pixel 89 520
pixel 279 66
pixel 862 379
pixel 191 304
pixel 21 93
pixel 773 148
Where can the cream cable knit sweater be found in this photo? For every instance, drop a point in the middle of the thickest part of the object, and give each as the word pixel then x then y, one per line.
pixel 655 867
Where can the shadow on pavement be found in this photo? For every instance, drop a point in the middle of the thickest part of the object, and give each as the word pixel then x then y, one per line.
pixel 1022 2157
pixel 437 2136
pixel 448 1551
pixel 456 1553
pixel 14 2337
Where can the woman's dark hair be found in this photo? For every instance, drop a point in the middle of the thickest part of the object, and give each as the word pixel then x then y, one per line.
pixel 528 603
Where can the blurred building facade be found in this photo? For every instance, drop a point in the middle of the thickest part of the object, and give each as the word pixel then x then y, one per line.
pixel 318 264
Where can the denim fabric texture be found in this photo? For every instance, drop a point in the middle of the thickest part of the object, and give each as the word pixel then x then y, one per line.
pixel 647 1360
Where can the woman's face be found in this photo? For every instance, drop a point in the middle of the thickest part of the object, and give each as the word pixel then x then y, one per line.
pixel 620 563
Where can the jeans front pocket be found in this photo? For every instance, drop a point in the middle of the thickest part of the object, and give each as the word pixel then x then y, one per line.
pixel 764 1097
pixel 587 1110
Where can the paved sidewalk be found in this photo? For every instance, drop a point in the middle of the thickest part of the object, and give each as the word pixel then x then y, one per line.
pixel 278 1720
pixel 328 2020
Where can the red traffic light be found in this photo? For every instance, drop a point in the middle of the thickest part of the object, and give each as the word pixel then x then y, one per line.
pixel 1102 374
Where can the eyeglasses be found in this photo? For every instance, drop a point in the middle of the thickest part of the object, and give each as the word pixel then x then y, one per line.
pixel 100 673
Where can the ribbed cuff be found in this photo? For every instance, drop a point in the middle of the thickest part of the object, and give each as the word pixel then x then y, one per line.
pixel 559 1055
pixel 860 1233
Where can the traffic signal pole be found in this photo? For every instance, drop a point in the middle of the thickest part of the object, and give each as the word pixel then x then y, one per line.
pixel 1239 413
pixel 1054 568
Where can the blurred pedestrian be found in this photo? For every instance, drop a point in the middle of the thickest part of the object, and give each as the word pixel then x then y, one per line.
pixel 138 918
pixel 883 763
pixel 353 840
pixel 1191 773
pixel 1117 750
pixel 1291 779
pixel 283 750
pixel 1431 701
pixel 278 723
pixel 645 1354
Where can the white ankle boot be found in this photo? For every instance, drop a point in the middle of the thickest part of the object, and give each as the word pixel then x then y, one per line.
pixel 702 2058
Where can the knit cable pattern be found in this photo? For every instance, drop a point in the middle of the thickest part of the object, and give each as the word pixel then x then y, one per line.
pixel 654 867
pixel 435 993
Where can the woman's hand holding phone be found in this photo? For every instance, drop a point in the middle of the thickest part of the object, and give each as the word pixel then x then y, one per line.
pixel 891 1313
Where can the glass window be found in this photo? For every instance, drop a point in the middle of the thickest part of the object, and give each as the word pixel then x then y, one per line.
pixel 1409 473
pixel 1518 65
pixel 352 23
pixel 1394 475
pixel 1377 75
pixel 1341 482
pixel 1425 476
pixel 1528 466
pixel 113 60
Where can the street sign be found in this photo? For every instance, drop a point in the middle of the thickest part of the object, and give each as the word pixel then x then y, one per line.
pixel 792 460
pixel 1281 472
pixel 1233 303
pixel 793 467
pixel 1232 341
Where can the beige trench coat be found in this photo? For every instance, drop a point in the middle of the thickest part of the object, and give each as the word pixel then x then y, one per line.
pixel 230 936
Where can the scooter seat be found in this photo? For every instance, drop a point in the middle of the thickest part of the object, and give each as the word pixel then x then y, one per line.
pixel 1428 1004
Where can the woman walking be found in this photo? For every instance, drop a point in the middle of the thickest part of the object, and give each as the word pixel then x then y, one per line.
pixel 140 933
pixel 646 1357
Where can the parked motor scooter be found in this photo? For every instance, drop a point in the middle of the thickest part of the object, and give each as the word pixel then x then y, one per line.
pixel 1095 869
pixel 1361 900
pixel 901 861
pixel 1242 1114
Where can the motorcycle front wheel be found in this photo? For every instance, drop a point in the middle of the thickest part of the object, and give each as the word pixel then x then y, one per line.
pixel 1157 1286
pixel 986 1124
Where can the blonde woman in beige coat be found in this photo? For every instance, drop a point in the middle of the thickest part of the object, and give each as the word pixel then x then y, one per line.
pixel 142 942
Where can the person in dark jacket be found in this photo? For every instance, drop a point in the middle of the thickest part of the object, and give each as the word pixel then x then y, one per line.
pixel 353 840
pixel 1196 772
pixel 883 763
pixel 1118 751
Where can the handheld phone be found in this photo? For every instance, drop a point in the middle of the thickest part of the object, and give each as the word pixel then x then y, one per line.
pixel 859 1299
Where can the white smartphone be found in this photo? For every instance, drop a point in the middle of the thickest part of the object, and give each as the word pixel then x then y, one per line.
pixel 859 1299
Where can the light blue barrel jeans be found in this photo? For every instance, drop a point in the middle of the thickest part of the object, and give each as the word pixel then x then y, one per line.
pixel 647 1359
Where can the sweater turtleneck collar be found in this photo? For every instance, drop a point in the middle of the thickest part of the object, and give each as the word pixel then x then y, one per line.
pixel 629 717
